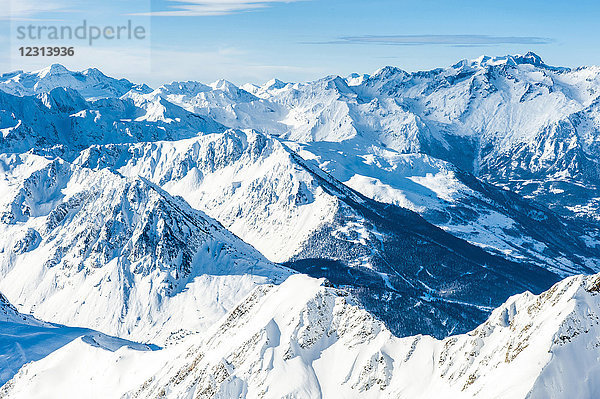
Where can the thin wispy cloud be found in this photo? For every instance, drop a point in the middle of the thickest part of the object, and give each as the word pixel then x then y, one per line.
pixel 199 8
pixel 440 40
pixel 27 9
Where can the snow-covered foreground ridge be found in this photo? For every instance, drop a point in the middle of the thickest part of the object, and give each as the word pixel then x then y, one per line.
pixel 301 339
pixel 25 339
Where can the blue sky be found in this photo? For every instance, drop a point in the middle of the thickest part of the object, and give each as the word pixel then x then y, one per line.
pixel 254 40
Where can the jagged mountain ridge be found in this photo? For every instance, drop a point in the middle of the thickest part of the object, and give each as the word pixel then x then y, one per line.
pixel 475 114
pixel 325 235
pixel 91 83
pixel 304 340
pixel 493 218
pixel 319 102
pixel 374 116
pixel 60 122
pixel 97 250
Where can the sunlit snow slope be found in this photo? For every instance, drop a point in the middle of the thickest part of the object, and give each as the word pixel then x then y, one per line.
pixel 25 339
pixel 303 340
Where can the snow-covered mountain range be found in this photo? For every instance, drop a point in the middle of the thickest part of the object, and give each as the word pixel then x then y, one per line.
pixel 254 232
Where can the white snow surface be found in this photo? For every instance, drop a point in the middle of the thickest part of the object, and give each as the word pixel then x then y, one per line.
pixel 382 135
pixel 300 339
pixel 510 120
pixel 24 339
pixel 91 83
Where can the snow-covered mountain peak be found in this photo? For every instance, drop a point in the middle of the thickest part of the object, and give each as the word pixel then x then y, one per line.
pixel 513 60
pixel 274 84
pixel 52 70
pixel 303 339
pixel 141 88
pixel 355 79
pixel 486 60
pixel 334 83
pixel 61 122
pixel 138 214
pixel 189 87
pixel 95 73
pixel 90 83
pixel 224 85
pixel 63 99
pixel 221 92
pixel 565 298
pixel 530 58
pixel 131 259
pixel 387 72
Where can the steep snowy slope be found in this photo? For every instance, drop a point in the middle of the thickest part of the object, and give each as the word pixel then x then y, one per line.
pixel 303 340
pixel 245 180
pixel 119 255
pixel 9 314
pixel 328 347
pixel 492 218
pixel 24 339
pixel 359 131
pixel 293 212
pixel 518 121
pixel 117 202
pixel 511 120
pixel 283 205
pixel 364 152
